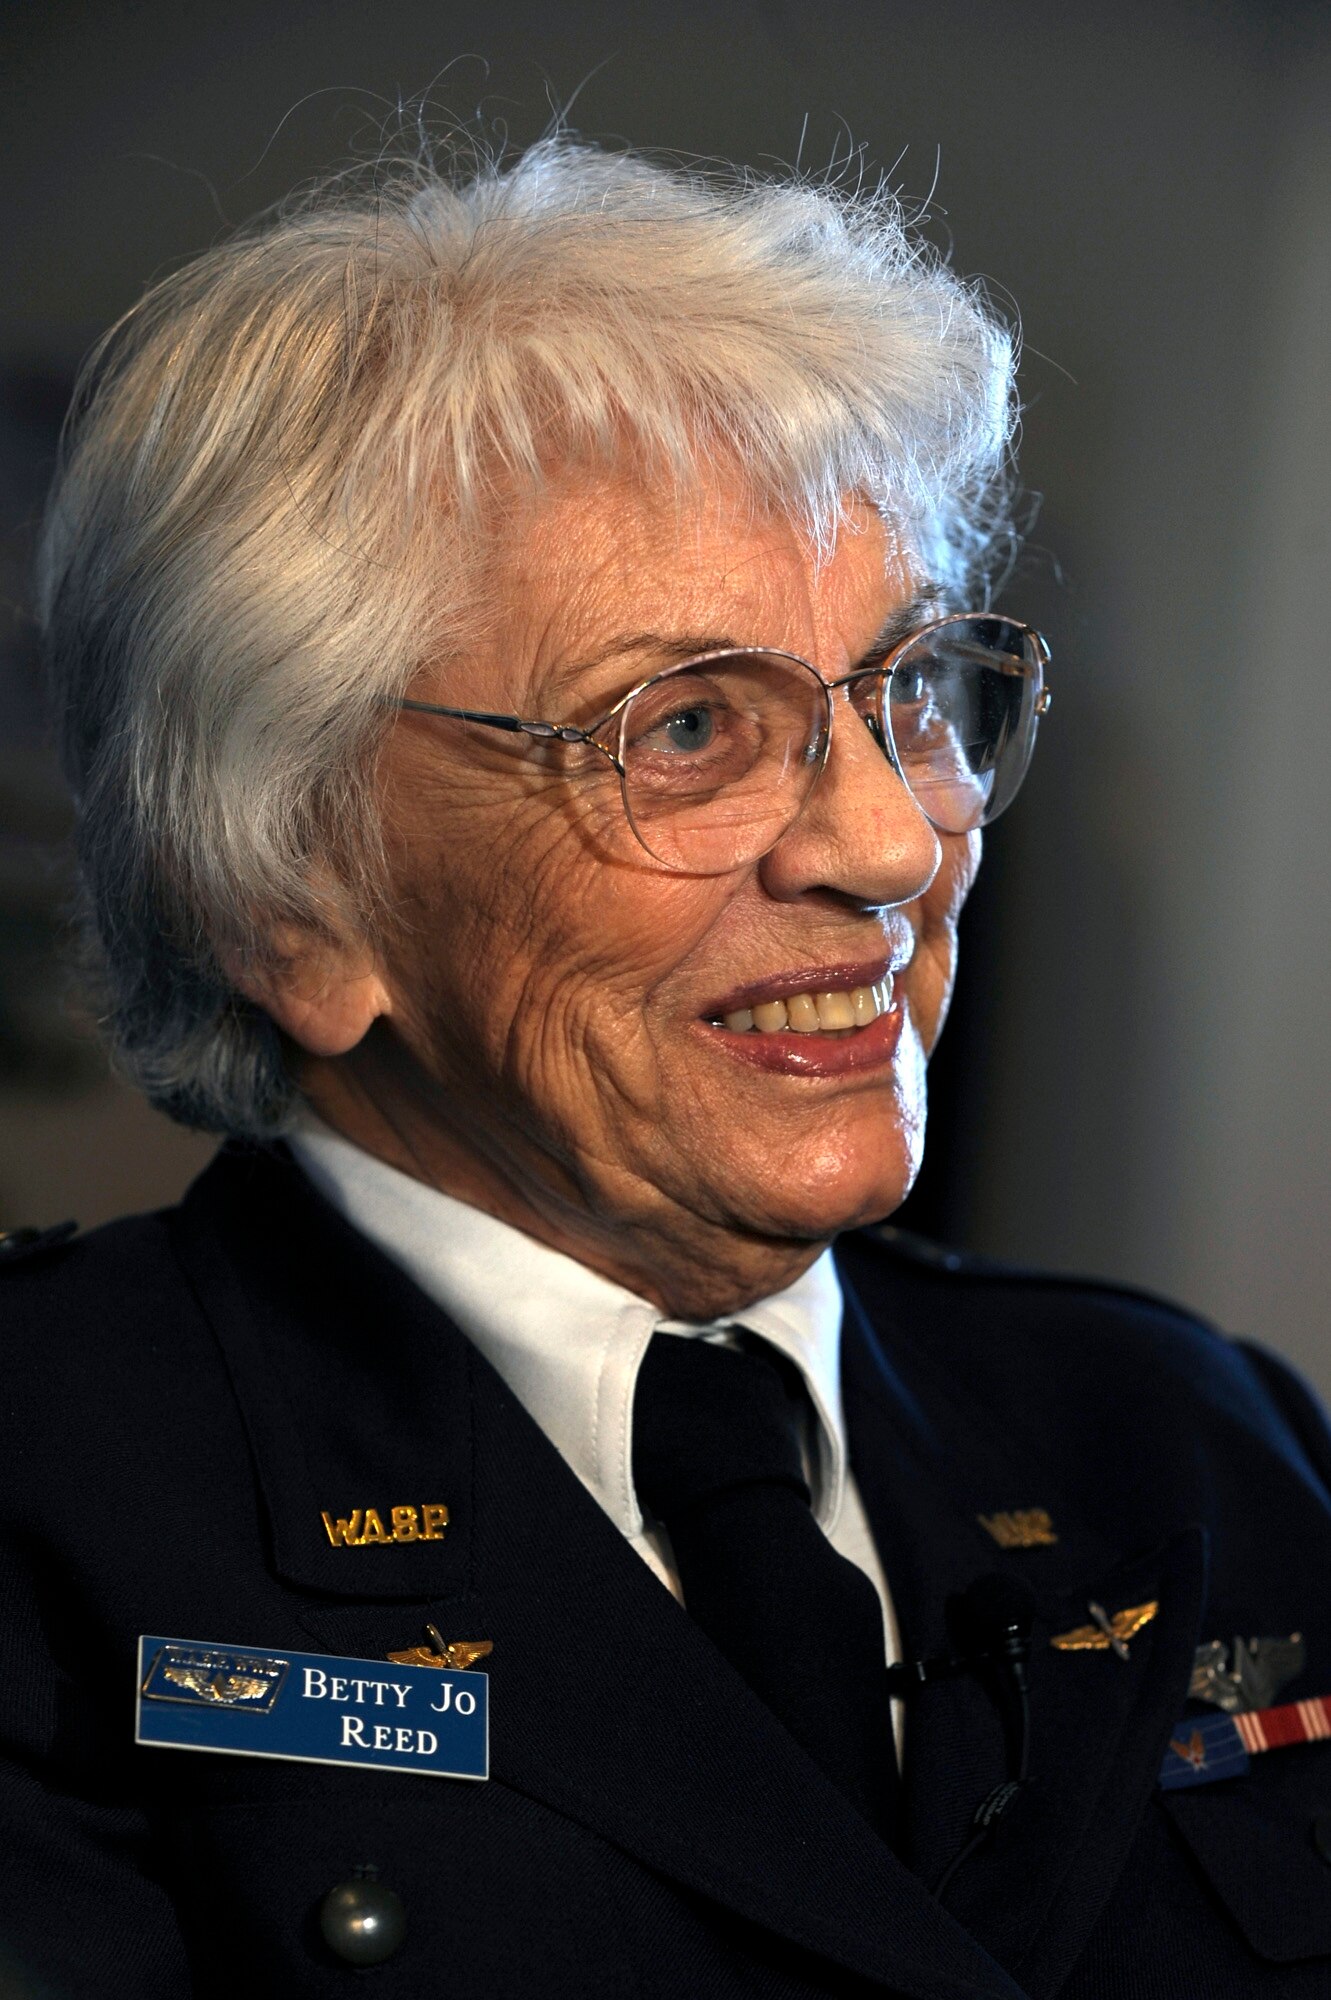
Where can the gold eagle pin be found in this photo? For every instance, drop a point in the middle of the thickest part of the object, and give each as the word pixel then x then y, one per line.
pixel 1107 1634
pixel 459 1654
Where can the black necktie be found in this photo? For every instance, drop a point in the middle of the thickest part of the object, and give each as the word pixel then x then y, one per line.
pixel 716 1459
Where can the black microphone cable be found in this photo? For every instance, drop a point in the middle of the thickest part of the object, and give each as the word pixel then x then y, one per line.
pixel 991 1622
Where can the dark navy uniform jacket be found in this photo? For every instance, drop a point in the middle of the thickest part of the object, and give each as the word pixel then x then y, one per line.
pixel 185 1394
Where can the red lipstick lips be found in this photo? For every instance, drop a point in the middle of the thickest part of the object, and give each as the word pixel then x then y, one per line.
pixel 819 1055
pixel 762 1038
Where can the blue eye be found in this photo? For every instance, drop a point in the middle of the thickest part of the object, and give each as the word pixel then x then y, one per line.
pixel 687 729
pixel 695 732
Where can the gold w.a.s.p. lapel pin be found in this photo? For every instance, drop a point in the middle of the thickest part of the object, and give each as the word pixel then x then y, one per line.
pixel 1107 1634
pixel 459 1654
pixel 1020 1528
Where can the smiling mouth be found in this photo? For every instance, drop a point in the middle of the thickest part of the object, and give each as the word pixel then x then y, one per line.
pixel 834 1012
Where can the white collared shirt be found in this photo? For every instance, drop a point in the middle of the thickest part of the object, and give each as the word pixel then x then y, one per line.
pixel 569 1342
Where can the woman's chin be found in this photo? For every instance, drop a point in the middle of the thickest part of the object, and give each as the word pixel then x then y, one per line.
pixel 812 1204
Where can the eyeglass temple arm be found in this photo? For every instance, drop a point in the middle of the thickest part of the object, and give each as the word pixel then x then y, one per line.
pixel 515 724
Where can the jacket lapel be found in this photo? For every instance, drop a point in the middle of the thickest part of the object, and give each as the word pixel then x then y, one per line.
pixel 928 1468
pixel 608 1704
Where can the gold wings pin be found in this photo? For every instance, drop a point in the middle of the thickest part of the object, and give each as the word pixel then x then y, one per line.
pixel 459 1654
pixel 225 1688
pixel 1107 1634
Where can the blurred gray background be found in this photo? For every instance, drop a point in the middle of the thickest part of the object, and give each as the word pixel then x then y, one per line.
pixel 1136 1079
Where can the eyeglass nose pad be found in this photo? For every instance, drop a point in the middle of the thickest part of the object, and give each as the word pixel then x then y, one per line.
pixel 878 731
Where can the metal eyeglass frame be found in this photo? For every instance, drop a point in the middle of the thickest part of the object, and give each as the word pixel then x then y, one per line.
pixel 879 670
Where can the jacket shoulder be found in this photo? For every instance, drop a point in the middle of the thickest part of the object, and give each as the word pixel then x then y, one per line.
pixel 75 1308
pixel 114 1386
pixel 60 1256
pixel 1089 1352
pixel 923 1254
pixel 19 1246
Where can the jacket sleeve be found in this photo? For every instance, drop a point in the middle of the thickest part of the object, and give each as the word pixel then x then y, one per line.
pixel 82 1909
pixel 83 1915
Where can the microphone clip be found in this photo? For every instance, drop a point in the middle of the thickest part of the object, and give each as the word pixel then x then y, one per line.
pixel 991 1624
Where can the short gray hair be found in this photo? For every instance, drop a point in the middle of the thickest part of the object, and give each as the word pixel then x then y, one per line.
pixel 270 503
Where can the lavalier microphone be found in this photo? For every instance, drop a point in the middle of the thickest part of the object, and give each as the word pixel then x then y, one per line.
pixel 990 1623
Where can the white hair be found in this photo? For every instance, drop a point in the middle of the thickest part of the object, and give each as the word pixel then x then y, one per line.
pixel 272 501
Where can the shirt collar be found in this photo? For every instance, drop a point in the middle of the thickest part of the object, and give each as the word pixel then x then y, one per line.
pixel 567 1341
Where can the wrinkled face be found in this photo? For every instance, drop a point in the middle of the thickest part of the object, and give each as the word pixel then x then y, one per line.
pixel 561 998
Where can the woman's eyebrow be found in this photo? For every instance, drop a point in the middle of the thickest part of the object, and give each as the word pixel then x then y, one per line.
pixel 667 647
pixel 905 619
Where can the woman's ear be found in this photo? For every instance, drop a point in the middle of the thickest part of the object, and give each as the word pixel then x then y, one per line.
pixel 322 994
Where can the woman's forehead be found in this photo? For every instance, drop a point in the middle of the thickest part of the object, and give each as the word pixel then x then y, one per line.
pixel 608 571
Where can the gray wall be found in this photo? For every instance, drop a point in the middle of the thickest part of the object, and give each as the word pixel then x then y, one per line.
pixel 1137 1082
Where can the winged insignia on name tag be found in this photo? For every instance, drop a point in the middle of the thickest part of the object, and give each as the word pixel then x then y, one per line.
pixel 214 1677
pixel 228 1688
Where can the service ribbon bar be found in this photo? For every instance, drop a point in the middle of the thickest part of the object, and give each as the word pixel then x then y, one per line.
pixel 1206 1748
pixel 1292 1722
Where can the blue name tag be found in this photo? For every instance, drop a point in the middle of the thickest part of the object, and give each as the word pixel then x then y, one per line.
pixel 312 1708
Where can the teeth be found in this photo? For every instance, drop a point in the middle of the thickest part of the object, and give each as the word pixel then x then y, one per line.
pixel 814 1013
pixel 802 1014
pixel 835 1010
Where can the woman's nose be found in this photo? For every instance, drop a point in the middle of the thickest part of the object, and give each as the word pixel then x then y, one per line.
pixel 861 835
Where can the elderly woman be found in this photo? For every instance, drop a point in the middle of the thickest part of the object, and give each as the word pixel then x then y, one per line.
pixel 522 661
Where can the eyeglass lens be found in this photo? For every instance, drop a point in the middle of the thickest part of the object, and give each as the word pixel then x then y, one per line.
pixel 960 710
pixel 719 757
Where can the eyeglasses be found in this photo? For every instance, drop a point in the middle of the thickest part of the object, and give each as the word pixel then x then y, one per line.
pixel 718 757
